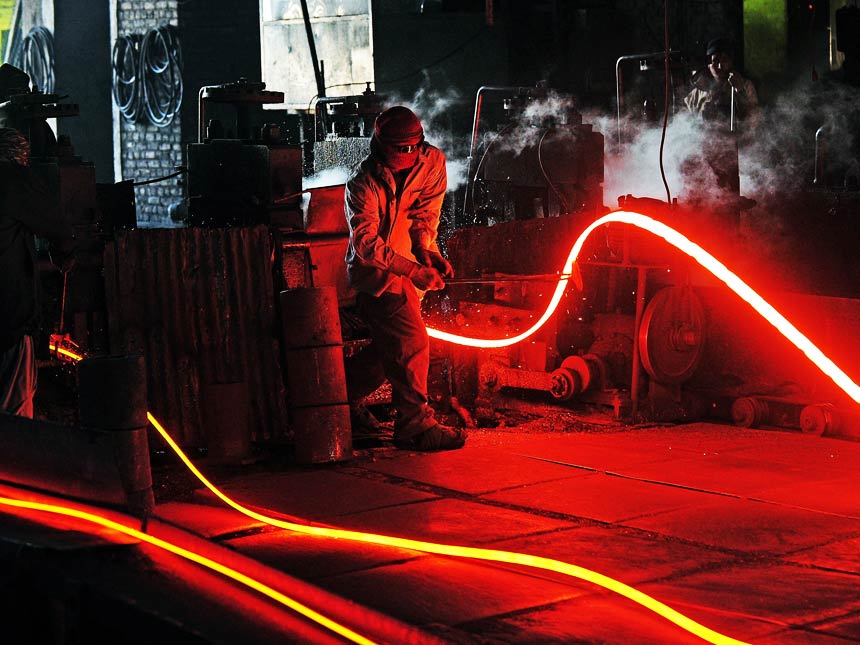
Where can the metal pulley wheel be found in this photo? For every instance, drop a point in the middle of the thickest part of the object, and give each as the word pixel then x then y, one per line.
pixel 575 375
pixel 671 336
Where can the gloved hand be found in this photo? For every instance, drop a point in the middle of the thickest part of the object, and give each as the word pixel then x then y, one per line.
pixel 735 81
pixel 427 279
pixel 435 260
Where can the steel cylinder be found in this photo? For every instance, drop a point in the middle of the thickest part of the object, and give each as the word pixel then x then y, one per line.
pixel 316 378
pixel 322 433
pixel 310 317
pixel 112 397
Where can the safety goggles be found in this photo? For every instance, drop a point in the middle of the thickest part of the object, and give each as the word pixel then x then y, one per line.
pixel 406 149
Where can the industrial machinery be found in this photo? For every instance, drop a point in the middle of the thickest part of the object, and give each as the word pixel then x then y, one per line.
pixel 639 100
pixel 342 128
pixel 535 159
pixel 72 302
pixel 238 173
pixel 648 334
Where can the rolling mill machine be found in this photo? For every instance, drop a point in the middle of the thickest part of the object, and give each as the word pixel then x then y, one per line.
pixel 641 330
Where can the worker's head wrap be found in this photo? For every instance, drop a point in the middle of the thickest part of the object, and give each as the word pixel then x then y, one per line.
pixel 397 134
pixel 13 81
pixel 719 46
pixel 14 147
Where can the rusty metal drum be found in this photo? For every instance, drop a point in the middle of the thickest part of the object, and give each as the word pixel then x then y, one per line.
pixel 315 375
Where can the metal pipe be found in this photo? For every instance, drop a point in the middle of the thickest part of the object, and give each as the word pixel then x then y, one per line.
pixel 201 113
pixel 112 396
pixel 476 124
pixel 544 277
pixel 820 148
pixel 314 60
pixel 618 93
pixel 732 113
pixel 640 308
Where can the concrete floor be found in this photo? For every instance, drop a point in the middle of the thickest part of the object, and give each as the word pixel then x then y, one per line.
pixel 753 533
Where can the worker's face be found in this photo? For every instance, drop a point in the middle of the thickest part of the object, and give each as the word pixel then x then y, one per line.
pixel 399 158
pixel 721 64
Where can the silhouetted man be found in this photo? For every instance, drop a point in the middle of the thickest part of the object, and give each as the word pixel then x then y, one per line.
pixel 26 209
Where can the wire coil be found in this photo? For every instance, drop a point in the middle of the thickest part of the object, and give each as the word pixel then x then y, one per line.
pixel 147 76
pixel 35 56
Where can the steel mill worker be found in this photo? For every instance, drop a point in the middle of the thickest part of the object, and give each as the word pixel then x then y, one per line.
pixel 26 209
pixel 393 204
pixel 711 97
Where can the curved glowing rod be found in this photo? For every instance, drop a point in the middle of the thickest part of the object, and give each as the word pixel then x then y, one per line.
pixel 65 352
pixel 229 572
pixel 475 553
pixel 673 237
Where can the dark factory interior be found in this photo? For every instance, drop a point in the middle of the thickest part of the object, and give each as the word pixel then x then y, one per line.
pixel 430 321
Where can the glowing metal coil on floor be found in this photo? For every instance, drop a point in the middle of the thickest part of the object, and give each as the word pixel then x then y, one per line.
pixel 475 553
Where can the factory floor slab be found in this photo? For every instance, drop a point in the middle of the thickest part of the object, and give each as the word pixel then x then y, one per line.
pixel 753 533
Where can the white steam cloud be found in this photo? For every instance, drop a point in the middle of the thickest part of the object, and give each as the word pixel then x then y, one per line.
pixel 633 168
pixel 434 108
pixel 328 177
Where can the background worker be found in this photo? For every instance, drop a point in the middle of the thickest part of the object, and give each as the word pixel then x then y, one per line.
pixel 711 96
pixel 26 209
pixel 393 205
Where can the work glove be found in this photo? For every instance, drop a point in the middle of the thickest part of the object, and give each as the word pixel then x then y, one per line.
pixel 427 279
pixel 434 260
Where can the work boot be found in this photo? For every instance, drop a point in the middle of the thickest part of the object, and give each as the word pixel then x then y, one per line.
pixel 436 437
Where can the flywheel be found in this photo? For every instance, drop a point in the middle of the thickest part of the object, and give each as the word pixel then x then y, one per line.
pixel 672 335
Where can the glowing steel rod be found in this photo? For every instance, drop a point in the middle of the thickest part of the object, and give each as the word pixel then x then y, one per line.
pixel 475 553
pixel 65 352
pixel 673 237
pixel 229 572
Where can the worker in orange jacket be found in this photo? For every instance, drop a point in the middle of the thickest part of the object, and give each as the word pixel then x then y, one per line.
pixel 393 204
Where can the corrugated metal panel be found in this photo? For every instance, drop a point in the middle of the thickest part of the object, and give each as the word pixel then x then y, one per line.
pixel 199 305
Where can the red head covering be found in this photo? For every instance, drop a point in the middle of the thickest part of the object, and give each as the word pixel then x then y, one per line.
pixel 398 126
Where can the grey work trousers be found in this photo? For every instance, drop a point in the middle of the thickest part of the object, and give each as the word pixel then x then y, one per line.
pixel 18 378
pixel 403 346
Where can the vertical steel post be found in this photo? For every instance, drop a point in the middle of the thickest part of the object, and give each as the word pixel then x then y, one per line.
pixel 641 273
pixel 313 47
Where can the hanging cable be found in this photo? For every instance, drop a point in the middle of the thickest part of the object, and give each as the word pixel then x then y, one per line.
pixel 36 57
pixel 474 177
pixel 665 95
pixel 549 181
pixel 155 180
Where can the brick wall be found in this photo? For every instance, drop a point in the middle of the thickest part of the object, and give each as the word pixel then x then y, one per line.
pixel 220 41
pixel 147 151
